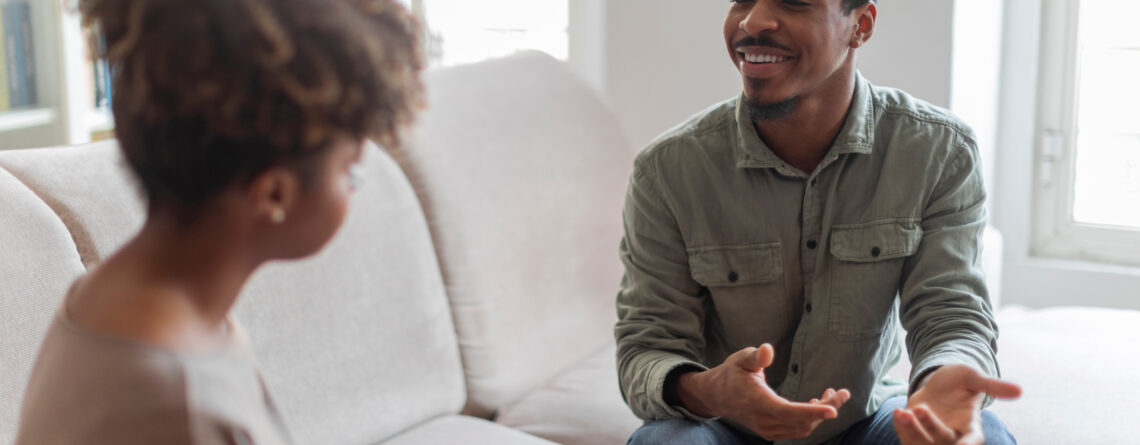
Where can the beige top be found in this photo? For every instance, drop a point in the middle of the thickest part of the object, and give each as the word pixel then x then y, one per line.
pixel 89 388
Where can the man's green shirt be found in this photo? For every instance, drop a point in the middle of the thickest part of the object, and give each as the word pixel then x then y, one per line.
pixel 726 246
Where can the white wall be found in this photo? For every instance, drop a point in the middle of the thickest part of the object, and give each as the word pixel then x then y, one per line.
pixel 912 49
pixel 665 60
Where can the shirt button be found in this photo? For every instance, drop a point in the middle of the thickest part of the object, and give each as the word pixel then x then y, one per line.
pixel 732 277
pixel 808 308
pixel 795 368
pixel 811 244
pixel 875 252
pixel 813 182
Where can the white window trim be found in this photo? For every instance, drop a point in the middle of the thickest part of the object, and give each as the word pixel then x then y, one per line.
pixel 1055 232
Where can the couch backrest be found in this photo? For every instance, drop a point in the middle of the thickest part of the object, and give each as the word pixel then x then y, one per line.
pixel 89 188
pixel 38 262
pixel 522 171
pixel 356 344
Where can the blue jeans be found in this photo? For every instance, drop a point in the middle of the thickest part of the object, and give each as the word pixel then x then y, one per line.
pixel 878 429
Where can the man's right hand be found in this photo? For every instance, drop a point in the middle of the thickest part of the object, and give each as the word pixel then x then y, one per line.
pixel 737 390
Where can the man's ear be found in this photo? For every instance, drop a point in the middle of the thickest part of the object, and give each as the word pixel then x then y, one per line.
pixel 864 24
pixel 273 194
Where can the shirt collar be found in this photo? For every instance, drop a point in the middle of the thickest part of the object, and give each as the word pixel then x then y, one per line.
pixel 857 135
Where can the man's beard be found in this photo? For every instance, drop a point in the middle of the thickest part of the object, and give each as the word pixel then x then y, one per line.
pixel 772 111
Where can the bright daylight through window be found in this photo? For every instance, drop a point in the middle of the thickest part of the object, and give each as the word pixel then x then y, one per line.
pixel 465 31
pixel 1088 185
pixel 1107 188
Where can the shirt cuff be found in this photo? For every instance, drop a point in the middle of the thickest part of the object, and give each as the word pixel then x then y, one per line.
pixel 660 374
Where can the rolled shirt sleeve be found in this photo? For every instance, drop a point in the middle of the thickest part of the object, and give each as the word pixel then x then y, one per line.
pixel 944 303
pixel 660 307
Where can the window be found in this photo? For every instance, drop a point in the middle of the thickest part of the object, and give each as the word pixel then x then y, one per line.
pixel 465 31
pixel 1088 173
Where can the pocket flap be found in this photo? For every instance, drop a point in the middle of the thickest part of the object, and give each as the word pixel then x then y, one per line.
pixel 736 265
pixel 872 242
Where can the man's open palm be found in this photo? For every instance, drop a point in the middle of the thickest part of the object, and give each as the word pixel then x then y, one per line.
pixel 947 409
pixel 737 390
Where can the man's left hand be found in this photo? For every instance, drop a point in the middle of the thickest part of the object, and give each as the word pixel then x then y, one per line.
pixel 946 409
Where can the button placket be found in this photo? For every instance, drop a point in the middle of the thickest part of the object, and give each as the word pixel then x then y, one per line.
pixel 811 216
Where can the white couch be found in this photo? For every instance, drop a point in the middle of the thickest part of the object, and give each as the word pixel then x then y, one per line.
pixel 473 303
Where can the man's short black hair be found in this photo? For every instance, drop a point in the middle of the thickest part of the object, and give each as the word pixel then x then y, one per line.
pixel 850 5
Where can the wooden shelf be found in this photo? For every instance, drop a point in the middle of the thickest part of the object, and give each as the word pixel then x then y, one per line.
pixel 21 119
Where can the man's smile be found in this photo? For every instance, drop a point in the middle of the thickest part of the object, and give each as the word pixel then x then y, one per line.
pixel 761 61
pixel 761 58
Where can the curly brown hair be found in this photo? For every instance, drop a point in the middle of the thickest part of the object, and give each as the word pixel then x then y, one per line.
pixel 211 92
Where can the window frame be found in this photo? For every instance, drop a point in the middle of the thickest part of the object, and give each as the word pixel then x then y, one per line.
pixel 1056 233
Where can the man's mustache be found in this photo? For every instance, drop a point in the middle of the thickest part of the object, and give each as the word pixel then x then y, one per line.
pixel 760 41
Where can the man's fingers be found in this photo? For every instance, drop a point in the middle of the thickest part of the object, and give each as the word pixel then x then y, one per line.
pixel 833 398
pixel 765 354
pixel 908 429
pixel 776 429
pixel 840 398
pixel 795 412
pixel 938 431
pixel 788 433
pixel 756 359
pixel 994 387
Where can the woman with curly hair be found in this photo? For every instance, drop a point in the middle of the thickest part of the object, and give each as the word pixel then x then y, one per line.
pixel 242 121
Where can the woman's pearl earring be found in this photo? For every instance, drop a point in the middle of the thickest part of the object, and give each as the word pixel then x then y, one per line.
pixel 278 216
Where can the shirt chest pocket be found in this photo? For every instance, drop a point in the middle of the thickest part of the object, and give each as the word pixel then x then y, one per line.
pixel 746 285
pixel 867 261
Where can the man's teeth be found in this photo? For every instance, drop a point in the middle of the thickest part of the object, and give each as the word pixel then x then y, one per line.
pixel 763 58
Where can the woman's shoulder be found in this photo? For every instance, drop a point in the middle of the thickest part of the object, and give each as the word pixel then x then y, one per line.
pixel 107 388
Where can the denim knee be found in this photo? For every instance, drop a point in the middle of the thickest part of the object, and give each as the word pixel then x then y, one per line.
pixel 995 430
pixel 677 431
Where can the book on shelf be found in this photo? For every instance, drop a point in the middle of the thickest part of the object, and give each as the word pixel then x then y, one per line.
pixel 19 50
pixel 102 84
pixel 102 73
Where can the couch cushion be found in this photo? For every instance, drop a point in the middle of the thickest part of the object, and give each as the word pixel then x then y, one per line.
pixel 455 429
pixel 38 262
pixel 583 406
pixel 522 171
pixel 89 187
pixel 357 343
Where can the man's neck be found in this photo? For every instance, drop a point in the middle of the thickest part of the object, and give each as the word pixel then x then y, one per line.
pixel 804 137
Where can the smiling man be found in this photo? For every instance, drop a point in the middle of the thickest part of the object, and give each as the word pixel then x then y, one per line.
pixel 775 242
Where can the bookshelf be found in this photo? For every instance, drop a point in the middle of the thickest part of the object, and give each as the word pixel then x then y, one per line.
pixel 63 111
